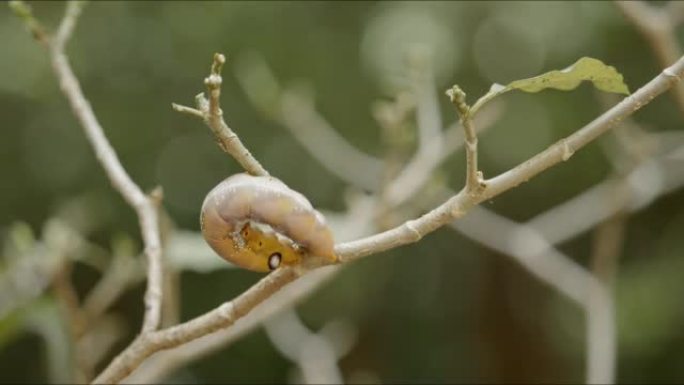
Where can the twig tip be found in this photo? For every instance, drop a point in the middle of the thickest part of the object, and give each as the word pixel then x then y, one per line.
pixel 217 64
pixel 157 195
pixel 219 58
pixel 458 99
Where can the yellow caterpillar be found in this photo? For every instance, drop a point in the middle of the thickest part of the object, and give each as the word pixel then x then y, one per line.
pixel 234 214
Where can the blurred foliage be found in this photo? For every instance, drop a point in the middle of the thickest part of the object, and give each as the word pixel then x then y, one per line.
pixel 442 310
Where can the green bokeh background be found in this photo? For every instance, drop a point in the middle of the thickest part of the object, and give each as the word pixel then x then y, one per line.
pixel 442 310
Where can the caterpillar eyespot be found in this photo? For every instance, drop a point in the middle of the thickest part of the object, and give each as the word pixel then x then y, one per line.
pixel 274 261
pixel 259 223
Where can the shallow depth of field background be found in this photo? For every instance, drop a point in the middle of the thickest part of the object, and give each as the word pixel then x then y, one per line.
pixel 443 310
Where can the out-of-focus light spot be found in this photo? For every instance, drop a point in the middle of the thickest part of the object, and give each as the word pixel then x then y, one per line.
pixel 405 30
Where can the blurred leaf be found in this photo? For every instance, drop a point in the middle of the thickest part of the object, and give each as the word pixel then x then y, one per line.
pixel 604 77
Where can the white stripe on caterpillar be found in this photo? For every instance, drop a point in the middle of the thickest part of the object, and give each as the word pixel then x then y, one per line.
pixel 230 208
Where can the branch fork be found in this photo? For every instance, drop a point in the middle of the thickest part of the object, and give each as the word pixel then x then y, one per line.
pixel 475 183
pixel 210 112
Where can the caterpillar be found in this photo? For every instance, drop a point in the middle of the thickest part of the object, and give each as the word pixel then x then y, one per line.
pixel 258 223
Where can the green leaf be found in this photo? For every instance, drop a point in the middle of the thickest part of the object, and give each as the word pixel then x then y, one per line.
pixel 604 77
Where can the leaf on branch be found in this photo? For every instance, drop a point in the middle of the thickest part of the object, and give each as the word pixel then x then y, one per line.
pixel 604 77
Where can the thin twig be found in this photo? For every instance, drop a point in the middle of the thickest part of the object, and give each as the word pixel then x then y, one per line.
pixel 418 171
pixel 144 206
pixel 456 207
pixel 157 367
pixel 221 317
pixel 210 111
pixel 473 175
pixel 187 110
pixel 68 24
pixel 162 363
pixel 409 232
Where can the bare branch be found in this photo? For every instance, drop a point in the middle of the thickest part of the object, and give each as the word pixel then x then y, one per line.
pixel 144 206
pixel 154 369
pixel 221 317
pixel 210 111
pixel 456 206
pixel 187 110
pixel 409 232
pixel 419 169
pixel 66 27
pixel 473 175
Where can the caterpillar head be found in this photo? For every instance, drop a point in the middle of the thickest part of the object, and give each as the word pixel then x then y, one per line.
pixel 270 250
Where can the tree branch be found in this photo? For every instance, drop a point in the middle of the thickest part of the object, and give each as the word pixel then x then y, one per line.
pixel 68 24
pixel 409 232
pixel 221 317
pixel 418 170
pixel 210 111
pixel 473 175
pixel 156 368
pixel 145 206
